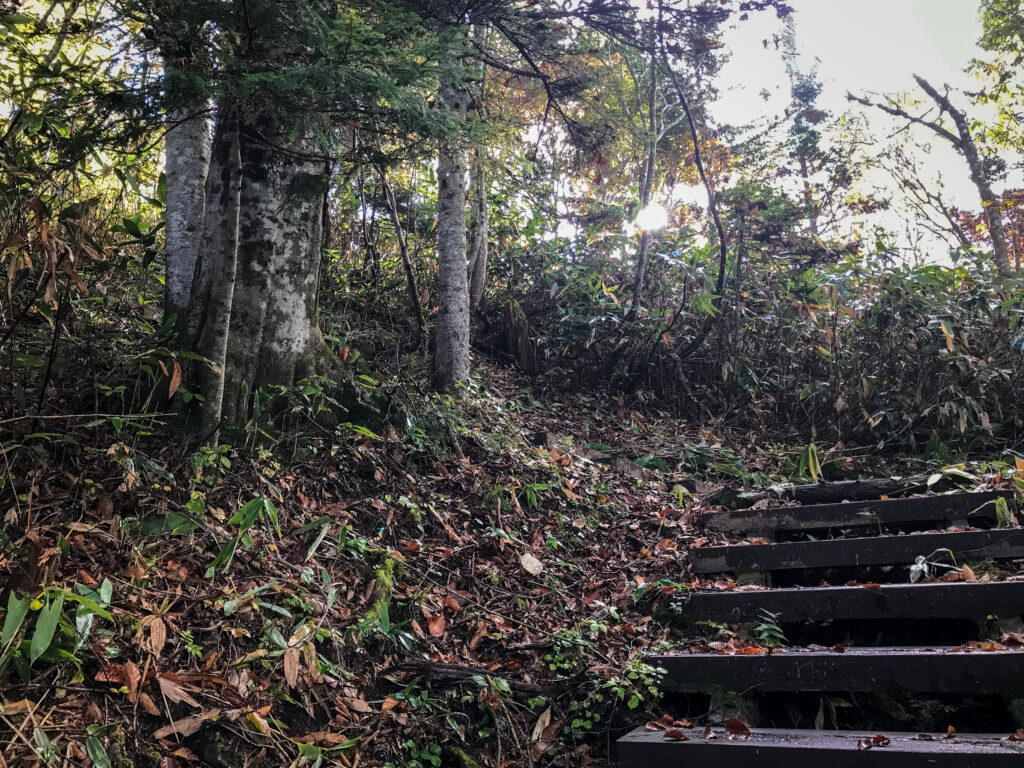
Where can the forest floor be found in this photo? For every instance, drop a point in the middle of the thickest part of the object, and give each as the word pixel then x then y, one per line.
pixel 475 590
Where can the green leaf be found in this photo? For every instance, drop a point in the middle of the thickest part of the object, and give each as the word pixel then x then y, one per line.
pixel 90 605
pixel 98 755
pixel 705 303
pixel 313 547
pixel 44 747
pixel 17 609
pixel 271 510
pixel 46 627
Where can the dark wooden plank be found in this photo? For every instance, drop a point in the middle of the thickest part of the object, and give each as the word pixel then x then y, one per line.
pixel 861 514
pixel 1000 543
pixel 827 493
pixel 922 670
pixel 814 749
pixel 895 601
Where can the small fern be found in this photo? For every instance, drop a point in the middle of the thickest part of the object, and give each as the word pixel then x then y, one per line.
pixel 768 631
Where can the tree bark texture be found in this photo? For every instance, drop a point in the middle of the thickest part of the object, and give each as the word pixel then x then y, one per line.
pixel 451 352
pixel 187 147
pixel 253 312
pixel 477 266
pixel 273 308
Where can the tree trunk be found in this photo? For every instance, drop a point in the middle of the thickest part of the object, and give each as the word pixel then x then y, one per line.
pixel 990 202
pixel 451 354
pixel 273 310
pixel 645 192
pixel 213 288
pixel 477 266
pixel 187 147
pixel 403 248
pixel 518 344
pixel 253 307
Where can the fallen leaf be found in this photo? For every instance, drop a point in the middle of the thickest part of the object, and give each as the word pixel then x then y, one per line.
pixel 175 380
pixel 132 678
pixel 176 693
pixel 389 704
pixel 737 727
pixel 147 704
pixel 542 722
pixel 157 635
pixel 675 734
pixel 186 726
pixel 17 707
pixel 358 705
pixel 1017 735
pixel 881 741
pixel 436 625
pixel 531 564
pixel 291 666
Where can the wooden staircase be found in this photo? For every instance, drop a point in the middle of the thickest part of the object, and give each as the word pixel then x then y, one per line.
pixel 874 614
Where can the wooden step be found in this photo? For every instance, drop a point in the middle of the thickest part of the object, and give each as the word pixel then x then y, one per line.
pixel 888 601
pixel 812 749
pixel 922 670
pixel 862 514
pixel 967 546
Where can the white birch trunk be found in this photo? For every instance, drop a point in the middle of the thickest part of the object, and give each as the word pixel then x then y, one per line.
pixel 187 147
pixel 213 288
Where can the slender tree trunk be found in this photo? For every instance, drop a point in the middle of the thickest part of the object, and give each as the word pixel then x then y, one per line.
pixel 187 147
pixel 403 248
pixel 477 266
pixel 645 192
pixel 451 354
pixel 990 202
pixel 213 288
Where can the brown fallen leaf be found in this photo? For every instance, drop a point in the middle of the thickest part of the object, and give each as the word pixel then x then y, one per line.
pixel 389 704
pixel 176 692
pixel 736 727
pixel 186 726
pixel 881 741
pixel 436 625
pixel 358 705
pixel 18 707
pixel 157 635
pixel 147 704
pixel 291 666
pixel 1017 735
pixel 675 734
